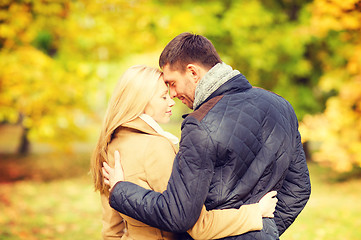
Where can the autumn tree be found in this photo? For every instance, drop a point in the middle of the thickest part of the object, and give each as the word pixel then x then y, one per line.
pixel 338 129
pixel 60 59
pixel 269 42
pixel 36 91
pixel 56 58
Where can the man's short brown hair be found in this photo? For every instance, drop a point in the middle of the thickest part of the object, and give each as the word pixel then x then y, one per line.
pixel 189 48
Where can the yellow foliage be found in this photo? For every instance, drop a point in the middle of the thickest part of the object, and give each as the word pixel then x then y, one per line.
pixel 57 57
pixel 335 15
pixel 338 129
pixel 354 63
pixel 36 86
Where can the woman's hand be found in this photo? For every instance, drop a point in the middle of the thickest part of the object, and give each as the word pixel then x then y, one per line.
pixel 268 204
pixel 113 175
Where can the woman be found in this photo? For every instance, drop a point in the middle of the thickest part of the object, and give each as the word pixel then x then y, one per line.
pixel 141 101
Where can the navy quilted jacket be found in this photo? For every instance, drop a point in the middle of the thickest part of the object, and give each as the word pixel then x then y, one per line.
pixel 241 143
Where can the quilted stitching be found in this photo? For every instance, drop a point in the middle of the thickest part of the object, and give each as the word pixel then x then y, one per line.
pixel 243 147
pixel 254 132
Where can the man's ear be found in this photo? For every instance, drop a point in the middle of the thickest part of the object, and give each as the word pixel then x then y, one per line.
pixel 194 71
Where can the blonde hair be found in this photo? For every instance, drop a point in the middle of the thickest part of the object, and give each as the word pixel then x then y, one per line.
pixel 131 95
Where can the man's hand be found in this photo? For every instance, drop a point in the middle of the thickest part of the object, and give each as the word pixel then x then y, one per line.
pixel 268 204
pixel 113 175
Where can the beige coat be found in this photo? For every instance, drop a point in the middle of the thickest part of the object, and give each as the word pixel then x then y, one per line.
pixel 147 159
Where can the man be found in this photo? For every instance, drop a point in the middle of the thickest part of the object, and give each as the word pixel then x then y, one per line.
pixel 239 143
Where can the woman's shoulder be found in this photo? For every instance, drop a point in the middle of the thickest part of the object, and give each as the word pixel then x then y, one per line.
pixel 131 138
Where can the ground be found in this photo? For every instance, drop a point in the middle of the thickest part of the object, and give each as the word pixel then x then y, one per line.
pixel 48 195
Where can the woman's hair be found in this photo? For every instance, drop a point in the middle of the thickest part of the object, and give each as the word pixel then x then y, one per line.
pixel 132 93
pixel 189 48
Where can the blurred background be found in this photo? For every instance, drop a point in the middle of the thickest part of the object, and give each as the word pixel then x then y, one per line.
pixel 60 60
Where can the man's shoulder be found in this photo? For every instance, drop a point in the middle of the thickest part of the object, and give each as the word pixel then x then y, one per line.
pixel 203 110
pixel 268 95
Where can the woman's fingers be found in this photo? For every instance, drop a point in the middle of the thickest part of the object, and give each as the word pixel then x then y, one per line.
pixel 106 181
pixel 268 204
pixel 107 167
pixel 271 194
pixel 117 159
pixel 105 173
pixel 113 175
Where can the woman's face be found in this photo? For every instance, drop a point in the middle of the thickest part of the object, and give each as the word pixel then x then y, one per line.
pixel 160 106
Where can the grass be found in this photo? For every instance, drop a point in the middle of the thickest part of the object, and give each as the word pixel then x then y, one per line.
pixel 50 196
pixel 333 211
pixel 63 209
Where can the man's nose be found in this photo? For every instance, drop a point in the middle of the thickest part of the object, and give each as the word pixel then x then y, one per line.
pixel 172 93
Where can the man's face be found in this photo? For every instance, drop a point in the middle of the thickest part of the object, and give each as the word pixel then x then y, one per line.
pixel 181 85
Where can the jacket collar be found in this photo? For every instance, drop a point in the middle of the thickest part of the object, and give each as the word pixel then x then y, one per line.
pixel 236 84
pixel 211 81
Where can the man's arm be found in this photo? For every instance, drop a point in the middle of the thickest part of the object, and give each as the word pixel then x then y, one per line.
pixel 295 192
pixel 178 208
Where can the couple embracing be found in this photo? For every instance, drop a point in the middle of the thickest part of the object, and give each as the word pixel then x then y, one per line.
pixel 239 148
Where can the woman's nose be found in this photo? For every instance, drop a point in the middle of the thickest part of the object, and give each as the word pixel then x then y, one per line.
pixel 171 102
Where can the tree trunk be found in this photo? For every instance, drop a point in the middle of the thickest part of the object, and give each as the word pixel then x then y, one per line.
pixel 24 146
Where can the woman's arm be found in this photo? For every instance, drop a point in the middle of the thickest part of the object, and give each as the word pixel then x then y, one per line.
pixel 227 222
pixel 113 224
pixel 222 223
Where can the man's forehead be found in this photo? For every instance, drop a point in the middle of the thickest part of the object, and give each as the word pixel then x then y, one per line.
pixel 166 80
pixel 167 69
pixel 168 74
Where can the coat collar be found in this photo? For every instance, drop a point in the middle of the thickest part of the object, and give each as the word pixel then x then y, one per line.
pixel 147 125
pixel 151 122
pixel 140 125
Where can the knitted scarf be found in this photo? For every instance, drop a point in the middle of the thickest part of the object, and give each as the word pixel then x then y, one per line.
pixel 211 81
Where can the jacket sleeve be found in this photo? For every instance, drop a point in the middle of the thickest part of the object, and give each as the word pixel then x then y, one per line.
pixel 113 224
pixel 296 190
pixel 222 223
pixel 211 224
pixel 177 208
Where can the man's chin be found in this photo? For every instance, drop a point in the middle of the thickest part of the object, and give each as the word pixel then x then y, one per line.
pixel 190 106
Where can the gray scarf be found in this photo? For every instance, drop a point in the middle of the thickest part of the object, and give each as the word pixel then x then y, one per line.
pixel 212 80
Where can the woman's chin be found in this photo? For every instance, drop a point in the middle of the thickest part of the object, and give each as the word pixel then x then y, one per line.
pixel 164 120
